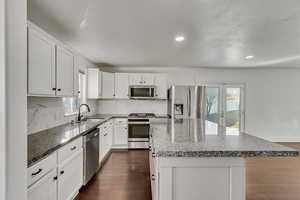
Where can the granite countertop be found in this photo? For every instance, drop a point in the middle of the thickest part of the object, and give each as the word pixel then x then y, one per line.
pixel 43 143
pixel 198 138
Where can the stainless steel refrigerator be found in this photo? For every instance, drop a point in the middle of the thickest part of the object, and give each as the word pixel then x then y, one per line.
pixel 186 102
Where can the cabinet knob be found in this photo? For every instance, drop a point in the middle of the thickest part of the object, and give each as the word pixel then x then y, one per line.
pixel 55 178
pixel 53 89
pixel 58 89
pixel 62 172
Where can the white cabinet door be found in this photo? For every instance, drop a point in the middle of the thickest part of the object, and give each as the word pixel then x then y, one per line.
pixel 141 79
pixel 41 64
pixel 153 176
pixel 121 85
pixel 108 81
pixel 135 79
pixel 120 135
pixel 64 72
pixel 161 86
pixel 70 176
pixel 101 143
pixel 147 79
pixel 110 130
pixel 94 83
pixel 45 188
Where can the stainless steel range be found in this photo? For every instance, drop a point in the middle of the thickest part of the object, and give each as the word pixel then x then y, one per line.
pixel 138 130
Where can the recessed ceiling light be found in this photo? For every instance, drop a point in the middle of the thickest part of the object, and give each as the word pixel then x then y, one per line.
pixel 179 38
pixel 249 57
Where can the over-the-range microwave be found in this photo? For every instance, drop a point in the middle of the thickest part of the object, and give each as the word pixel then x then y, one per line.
pixel 142 92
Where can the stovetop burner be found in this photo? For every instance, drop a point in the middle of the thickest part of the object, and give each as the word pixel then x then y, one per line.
pixel 141 115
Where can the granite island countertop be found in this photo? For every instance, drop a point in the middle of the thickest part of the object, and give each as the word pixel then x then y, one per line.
pixel 198 138
pixel 43 143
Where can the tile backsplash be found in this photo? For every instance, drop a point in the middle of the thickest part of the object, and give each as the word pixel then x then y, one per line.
pixel 132 106
pixel 44 113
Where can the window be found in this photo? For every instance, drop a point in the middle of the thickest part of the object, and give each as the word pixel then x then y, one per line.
pixel 71 104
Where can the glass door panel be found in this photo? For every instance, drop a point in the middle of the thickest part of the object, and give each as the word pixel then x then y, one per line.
pixel 232 115
pixel 212 108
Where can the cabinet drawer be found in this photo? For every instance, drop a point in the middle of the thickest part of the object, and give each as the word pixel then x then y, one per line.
pixel 38 170
pixel 121 122
pixel 66 151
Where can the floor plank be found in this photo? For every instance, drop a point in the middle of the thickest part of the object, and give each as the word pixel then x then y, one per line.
pixel 125 176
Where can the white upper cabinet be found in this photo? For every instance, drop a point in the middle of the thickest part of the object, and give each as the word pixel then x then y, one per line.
pixel 94 83
pixel 41 64
pixel 108 87
pixel 121 85
pixel 64 71
pixel 141 79
pixel 148 79
pixel 51 69
pixel 135 79
pixel 160 81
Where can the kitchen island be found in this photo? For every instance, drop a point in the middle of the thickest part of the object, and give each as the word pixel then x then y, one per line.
pixel 196 159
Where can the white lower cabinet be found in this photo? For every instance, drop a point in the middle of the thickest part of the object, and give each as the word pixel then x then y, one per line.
pixel 106 137
pixel 70 176
pixel 57 179
pixel 120 137
pixel 199 178
pixel 45 188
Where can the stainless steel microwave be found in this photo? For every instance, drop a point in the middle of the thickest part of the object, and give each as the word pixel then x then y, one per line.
pixel 142 92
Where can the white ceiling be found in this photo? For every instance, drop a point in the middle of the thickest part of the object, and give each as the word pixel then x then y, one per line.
pixel 219 33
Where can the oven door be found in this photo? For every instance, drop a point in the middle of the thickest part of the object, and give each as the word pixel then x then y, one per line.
pixel 138 131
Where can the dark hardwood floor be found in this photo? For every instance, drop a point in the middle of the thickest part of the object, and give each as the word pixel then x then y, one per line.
pixel 125 176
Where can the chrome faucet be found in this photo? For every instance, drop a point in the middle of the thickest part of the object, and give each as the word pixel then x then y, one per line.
pixel 79 115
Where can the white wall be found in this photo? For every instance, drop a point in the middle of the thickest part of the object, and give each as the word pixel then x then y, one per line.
pixel 16 101
pixel 272 97
pixel 2 102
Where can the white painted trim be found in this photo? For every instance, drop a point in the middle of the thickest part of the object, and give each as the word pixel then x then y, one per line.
pixel 16 99
pixel 2 103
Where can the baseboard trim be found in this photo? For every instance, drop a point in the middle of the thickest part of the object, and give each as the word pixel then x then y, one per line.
pixel 283 139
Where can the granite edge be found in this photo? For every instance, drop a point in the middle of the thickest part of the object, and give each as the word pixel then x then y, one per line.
pixel 243 154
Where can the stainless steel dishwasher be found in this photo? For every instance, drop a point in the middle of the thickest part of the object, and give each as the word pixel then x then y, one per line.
pixel 91 155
